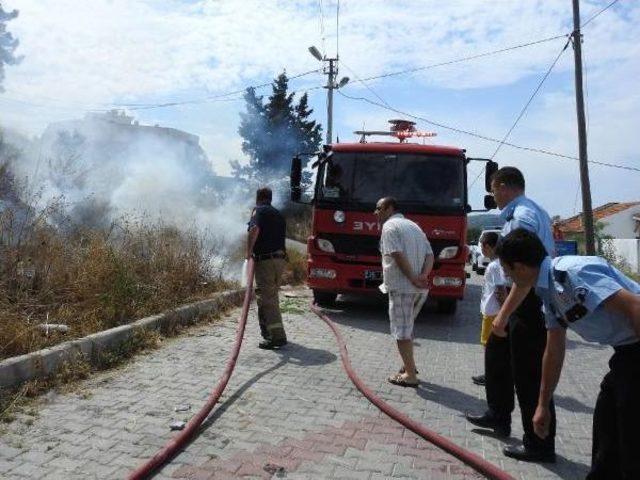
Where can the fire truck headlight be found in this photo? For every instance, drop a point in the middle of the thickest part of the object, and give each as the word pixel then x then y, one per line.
pixel 448 252
pixel 322 273
pixel 447 281
pixel 325 245
pixel 339 216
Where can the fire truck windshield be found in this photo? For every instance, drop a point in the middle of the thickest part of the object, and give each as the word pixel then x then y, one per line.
pixel 420 181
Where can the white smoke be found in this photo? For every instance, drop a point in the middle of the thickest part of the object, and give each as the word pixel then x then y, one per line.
pixel 104 171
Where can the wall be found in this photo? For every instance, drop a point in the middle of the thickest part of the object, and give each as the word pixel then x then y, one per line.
pixel 628 250
pixel 621 225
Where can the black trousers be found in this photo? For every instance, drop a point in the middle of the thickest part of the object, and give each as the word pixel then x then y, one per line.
pixel 515 363
pixel 616 420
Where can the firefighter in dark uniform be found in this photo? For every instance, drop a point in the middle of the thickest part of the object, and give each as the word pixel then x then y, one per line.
pixel 513 353
pixel 266 244
pixel 602 305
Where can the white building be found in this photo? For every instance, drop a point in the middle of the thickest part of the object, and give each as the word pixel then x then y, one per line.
pixel 618 225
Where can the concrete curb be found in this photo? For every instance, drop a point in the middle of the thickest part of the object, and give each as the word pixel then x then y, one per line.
pixel 45 362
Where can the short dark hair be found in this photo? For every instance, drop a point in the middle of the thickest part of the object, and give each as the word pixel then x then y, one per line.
pixel 390 202
pixel 510 177
pixel 522 246
pixel 490 238
pixel 264 195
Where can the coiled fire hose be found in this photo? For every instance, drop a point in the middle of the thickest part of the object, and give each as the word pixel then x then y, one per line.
pixel 179 441
pixel 474 461
pixel 176 443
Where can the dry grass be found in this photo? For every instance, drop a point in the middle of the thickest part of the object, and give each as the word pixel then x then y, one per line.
pixel 94 280
pixel 296 269
pixel 298 222
pixel 20 400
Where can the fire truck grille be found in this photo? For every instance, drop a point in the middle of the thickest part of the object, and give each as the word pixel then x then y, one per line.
pixel 355 244
pixel 369 245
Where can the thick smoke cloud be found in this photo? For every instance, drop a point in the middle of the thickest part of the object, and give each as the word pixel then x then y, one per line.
pixel 106 167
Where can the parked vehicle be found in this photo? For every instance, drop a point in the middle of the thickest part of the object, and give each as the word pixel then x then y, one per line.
pixel 473 251
pixel 429 182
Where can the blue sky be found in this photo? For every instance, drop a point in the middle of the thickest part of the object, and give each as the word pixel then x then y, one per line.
pixel 99 53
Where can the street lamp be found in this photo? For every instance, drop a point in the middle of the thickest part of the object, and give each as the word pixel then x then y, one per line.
pixel 316 53
pixel 330 86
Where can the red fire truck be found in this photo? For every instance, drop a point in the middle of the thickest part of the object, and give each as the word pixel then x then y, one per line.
pixel 430 184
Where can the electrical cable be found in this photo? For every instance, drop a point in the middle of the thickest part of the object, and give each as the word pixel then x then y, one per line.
pixel 485 137
pixel 533 95
pixel 465 59
pixel 593 17
pixel 322 35
pixel 366 85
pixel 141 106
pixel 524 109
pixel 338 29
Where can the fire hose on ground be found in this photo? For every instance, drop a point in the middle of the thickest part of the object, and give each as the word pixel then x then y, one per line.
pixel 176 443
pixel 471 459
pixel 180 440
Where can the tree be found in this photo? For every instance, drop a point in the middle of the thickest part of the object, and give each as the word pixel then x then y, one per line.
pixel 66 166
pixel 8 44
pixel 273 132
pixel 8 155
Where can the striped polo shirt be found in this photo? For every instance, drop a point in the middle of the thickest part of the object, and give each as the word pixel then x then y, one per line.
pixel 400 234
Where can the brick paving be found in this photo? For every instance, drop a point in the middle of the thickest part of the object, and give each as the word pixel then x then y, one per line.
pixel 294 413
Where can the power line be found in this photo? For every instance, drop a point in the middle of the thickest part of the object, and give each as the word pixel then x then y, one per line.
pixel 338 29
pixel 533 95
pixel 486 54
pixel 600 12
pixel 142 106
pixel 485 137
pixel 366 85
pixel 134 106
pixel 464 59
pixel 63 108
pixel 215 98
pixel 322 35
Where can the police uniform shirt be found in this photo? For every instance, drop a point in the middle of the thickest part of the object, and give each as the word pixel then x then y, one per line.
pixel 522 212
pixel 573 289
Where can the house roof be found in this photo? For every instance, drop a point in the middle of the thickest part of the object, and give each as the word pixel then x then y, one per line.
pixel 574 224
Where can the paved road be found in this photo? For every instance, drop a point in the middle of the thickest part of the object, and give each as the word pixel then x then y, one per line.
pixel 294 413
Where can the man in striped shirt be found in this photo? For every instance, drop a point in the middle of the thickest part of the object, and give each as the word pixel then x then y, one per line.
pixel 407 259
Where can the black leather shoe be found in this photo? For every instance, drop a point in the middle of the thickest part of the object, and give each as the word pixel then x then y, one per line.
pixel 520 452
pixel 500 425
pixel 272 345
pixel 478 380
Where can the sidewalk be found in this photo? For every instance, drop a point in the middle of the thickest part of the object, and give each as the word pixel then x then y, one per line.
pixel 294 413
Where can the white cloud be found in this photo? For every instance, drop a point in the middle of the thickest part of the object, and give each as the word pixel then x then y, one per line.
pixel 97 52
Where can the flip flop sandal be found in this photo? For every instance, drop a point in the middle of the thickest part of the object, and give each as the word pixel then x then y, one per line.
pixel 402 370
pixel 401 382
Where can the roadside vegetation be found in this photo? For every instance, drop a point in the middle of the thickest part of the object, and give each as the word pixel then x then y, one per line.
pixel 91 280
pixel 298 222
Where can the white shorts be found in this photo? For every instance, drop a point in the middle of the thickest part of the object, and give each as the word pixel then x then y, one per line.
pixel 403 310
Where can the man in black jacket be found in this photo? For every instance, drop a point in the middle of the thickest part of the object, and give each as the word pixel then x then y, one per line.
pixel 266 244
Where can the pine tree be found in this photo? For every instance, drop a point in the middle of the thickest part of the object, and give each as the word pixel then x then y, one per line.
pixel 273 132
pixel 8 44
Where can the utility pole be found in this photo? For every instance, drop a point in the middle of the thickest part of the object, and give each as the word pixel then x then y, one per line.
pixel 587 211
pixel 331 84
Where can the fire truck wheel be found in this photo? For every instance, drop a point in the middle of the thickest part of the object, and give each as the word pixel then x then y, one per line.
pixel 447 306
pixel 324 299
